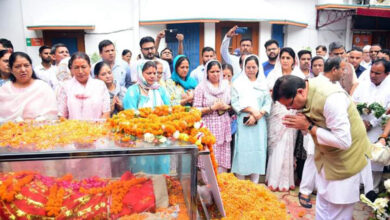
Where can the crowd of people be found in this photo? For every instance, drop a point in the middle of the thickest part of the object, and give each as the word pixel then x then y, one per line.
pixel 292 118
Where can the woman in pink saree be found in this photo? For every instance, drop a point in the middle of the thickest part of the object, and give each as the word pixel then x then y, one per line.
pixel 24 96
pixel 84 98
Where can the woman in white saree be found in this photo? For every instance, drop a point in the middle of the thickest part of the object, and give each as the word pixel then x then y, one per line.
pixel 281 140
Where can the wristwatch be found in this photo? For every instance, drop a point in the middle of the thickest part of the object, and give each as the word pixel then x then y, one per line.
pixel 310 127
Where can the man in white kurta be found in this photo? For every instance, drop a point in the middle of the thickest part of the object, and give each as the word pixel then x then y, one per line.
pixel 208 53
pixel 335 197
pixel 245 47
pixel 374 90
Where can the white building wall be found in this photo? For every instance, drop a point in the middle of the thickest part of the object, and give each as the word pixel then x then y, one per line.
pixel 117 22
pixel 152 31
pixel 209 35
pixel 264 35
pixel 11 24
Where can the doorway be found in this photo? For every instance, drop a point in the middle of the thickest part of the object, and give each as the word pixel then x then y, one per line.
pixel 74 40
pixel 223 27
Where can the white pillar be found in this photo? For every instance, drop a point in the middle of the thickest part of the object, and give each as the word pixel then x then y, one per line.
pixel 265 29
pixel 209 35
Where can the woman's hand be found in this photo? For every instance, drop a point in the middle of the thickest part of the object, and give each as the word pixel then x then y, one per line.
pixel 190 96
pixel 251 121
pixel 118 103
pixel 258 114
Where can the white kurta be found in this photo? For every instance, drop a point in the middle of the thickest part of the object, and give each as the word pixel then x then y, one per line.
pixel 47 75
pixel 339 136
pixel 198 73
pixel 230 59
pixel 367 92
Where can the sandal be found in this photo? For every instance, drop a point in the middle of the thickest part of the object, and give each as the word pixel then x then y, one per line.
pixel 305 202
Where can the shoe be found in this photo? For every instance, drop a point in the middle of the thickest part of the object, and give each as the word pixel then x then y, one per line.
pixel 305 202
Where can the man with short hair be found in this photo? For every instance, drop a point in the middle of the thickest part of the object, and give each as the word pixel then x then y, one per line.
pixel 304 57
pixel 384 54
pixel 208 53
pixel 148 51
pixel 44 70
pixel 167 53
pixel 341 142
pixel 60 56
pixel 334 68
pixel 355 58
pixel 375 90
pixel 272 51
pixel 119 68
pixel 348 80
pixel 374 51
pixel 6 44
pixel 245 47
pixel 366 61
pixel 321 51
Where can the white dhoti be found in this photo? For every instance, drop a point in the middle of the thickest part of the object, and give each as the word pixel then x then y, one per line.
pixel 336 198
pixel 309 169
pixel 308 176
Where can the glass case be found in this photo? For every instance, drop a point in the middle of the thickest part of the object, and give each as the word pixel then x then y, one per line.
pixel 103 180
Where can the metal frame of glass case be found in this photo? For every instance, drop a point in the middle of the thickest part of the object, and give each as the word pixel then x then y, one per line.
pixel 112 150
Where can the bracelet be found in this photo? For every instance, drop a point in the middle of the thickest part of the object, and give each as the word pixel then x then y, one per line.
pixel 382 136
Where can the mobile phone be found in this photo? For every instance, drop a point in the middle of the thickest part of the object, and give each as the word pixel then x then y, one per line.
pixel 246 118
pixel 170 35
pixel 241 30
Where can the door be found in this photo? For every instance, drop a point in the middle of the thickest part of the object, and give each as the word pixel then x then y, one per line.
pixel 74 40
pixel 223 27
pixel 192 41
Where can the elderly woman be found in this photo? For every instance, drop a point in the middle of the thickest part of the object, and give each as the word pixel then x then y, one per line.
pixel 83 97
pixel 103 72
pixel 180 87
pixel 252 102
pixel 212 96
pixel 146 92
pixel 25 97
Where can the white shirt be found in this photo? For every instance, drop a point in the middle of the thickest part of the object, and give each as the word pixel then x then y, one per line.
pixel 166 69
pixel 230 59
pixel 339 136
pixel 366 65
pixel 47 75
pixel 368 92
pixel 365 76
pixel 198 73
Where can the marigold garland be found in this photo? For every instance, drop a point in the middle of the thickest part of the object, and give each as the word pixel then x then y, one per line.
pixel 243 199
pixel 164 121
pixel 43 136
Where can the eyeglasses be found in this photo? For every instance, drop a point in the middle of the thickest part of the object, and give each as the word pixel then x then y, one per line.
pixel 166 52
pixel 148 48
pixel 291 103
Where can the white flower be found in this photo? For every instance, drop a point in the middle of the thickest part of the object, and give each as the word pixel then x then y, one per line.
pixel 387 185
pixel 136 113
pixel 366 111
pixel 162 139
pixel 380 205
pixel 176 135
pixel 148 137
pixel 197 125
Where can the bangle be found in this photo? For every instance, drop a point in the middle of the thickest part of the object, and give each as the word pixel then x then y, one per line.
pixel 382 136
